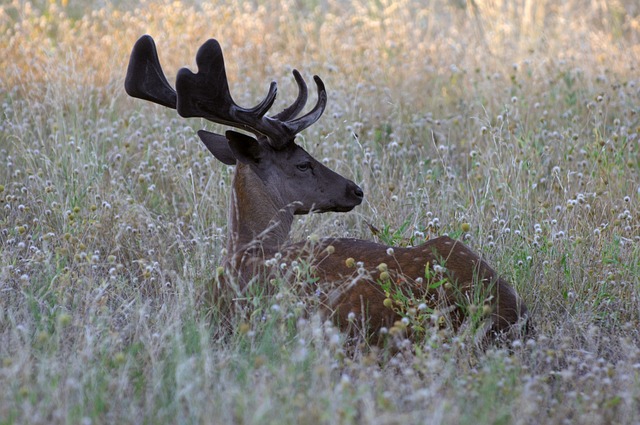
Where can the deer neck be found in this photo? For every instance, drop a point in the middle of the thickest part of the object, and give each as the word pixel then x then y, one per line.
pixel 258 217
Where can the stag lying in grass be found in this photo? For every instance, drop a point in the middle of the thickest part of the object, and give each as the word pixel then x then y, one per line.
pixel 357 281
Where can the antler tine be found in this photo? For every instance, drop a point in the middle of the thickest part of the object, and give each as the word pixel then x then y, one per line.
pixel 296 126
pixel 145 79
pixel 296 107
pixel 206 95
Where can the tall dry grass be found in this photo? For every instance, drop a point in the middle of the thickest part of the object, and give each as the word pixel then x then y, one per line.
pixel 511 125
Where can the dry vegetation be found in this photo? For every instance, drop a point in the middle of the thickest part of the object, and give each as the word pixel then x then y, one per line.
pixel 512 125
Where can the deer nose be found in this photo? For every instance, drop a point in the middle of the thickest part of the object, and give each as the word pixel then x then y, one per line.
pixel 357 191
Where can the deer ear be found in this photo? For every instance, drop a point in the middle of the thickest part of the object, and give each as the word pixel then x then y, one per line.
pixel 218 145
pixel 245 148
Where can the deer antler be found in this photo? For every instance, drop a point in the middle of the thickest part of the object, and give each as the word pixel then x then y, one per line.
pixel 296 107
pixel 145 79
pixel 206 95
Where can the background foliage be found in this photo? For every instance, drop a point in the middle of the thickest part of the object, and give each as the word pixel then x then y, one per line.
pixel 510 124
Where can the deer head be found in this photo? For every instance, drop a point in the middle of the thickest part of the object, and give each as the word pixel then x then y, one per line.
pixel 292 176
pixel 277 173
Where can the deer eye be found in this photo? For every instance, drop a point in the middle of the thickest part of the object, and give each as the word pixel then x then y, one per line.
pixel 305 166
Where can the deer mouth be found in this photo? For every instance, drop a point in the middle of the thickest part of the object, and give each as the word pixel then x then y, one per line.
pixel 339 208
pixel 344 209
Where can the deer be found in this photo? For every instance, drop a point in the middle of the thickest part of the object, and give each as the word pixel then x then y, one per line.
pixel 357 281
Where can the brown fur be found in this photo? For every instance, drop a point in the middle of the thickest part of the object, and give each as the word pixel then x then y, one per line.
pixel 349 289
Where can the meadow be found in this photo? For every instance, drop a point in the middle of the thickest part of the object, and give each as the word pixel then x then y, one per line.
pixel 511 125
